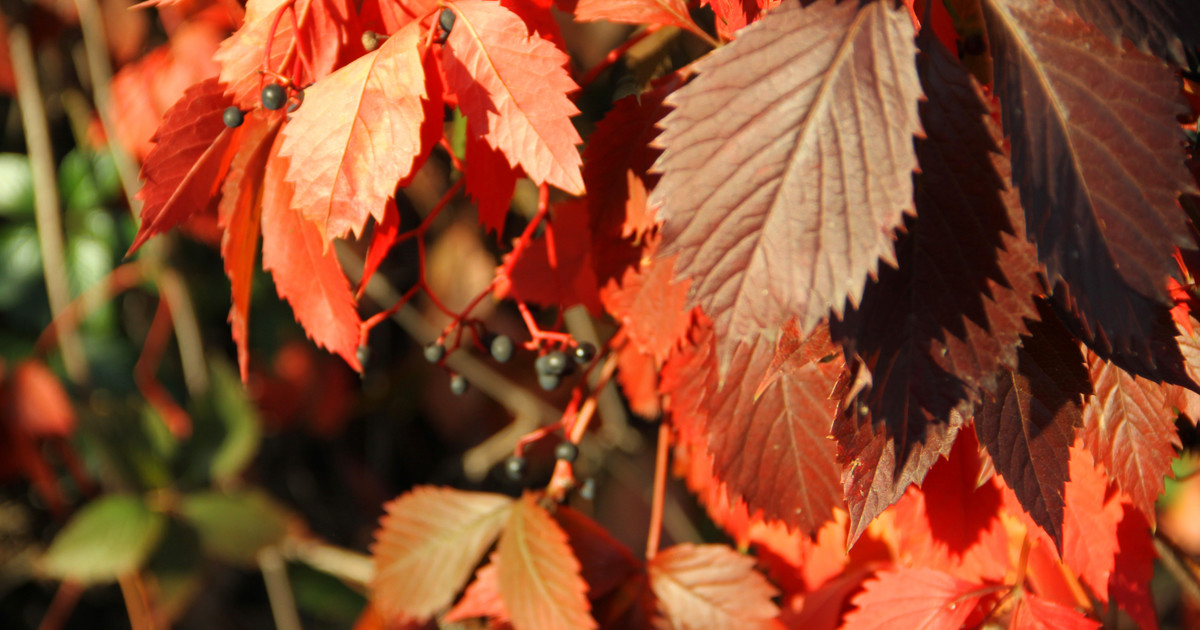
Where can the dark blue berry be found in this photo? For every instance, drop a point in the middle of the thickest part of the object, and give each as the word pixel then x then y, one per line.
pixel 273 96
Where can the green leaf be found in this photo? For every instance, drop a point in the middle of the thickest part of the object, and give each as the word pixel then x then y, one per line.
pixel 234 527
pixel 16 186
pixel 107 538
pixel 324 596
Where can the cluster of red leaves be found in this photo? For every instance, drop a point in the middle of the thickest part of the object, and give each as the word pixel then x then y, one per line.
pixel 733 219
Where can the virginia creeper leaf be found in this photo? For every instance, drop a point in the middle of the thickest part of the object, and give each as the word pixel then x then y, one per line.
pixel 239 212
pixel 539 575
pixel 325 38
pixel 878 464
pixel 512 87
pixel 482 597
pixel 605 562
pixel 637 374
pixel 771 447
pixel 711 587
pixel 935 331
pixel 427 545
pixel 915 599
pixel 1028 425
pixel 192 152
pixel 111 536
pixel 1129 426
pixel 1035 613
pixel 665 12
pixel 1099 173
pixel 490 181
pixel 787 163
pixel 306 271
pixel 1090 521
pixel 235 526
pixel 356 135
pixel 1165 27
pixel 382 238
pixel 1130 583
pixel 651 305
pixel 570 279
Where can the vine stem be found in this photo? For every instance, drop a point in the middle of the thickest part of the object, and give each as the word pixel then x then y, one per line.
pixel 47 212
pixel 660 490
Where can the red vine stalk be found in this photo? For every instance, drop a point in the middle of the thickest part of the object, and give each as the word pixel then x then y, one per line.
pixel 176 419
pixel 660 490
pixel 61 607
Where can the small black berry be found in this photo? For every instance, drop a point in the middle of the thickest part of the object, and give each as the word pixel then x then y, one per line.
pixel 446 24
pixel 434 352
pixel 502 348
pixel 514 468
pixel 566 451
pixel 458 385
pixel 548 382
pixel 233 117
pixel 556 363
pixel 584 353
pixel 273 96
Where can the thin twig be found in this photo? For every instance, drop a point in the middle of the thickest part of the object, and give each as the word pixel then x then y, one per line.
pixel 351 567
pixel 187 331
pixel 61 607
pixel 279 589
pixel 528 410
pixel 662 456
pixel 137 602
pixel 614 421
pixel 45 186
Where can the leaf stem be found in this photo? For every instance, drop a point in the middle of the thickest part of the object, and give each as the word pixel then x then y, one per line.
pixel 660 490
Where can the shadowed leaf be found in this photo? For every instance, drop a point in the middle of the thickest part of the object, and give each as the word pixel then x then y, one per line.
pixel 711 587
pixel 1165 27
pixel 109 537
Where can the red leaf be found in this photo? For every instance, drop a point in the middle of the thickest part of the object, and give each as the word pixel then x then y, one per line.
pixel 482 597
pixel 952 524
pixel 35 402
pixel 1129 426
pixel 606 563
pixel 766 227
pixel 382 238
pixel 325 37
pixel 490 181
pixel 771 447
pixel 306 271
pixel 650 305
pixel 711 587
pixel 240 211
pixel 665 12
pixel 357 134
pixel 513 89
pixel 1098 177
pixel 913 599
pixel 1133 570
pixel 427 545
pixel 1090 521
pixel 637 374
pixel 192 152
pixel 1029 425
pixel 539 575
pixel 1035 613
pixel 572 281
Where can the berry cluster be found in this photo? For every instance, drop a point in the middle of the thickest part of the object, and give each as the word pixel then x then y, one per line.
pixel 554 365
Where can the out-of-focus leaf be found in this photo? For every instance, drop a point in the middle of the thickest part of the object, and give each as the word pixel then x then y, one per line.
pixel 324 596
pixel 226 430
pixel 235 527
pixel 177 566
pixel 16 186
pixel 110 536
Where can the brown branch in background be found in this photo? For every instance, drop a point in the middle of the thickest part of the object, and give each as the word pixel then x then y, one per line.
pixel 279 589
pixel 45 194
pixel 351 567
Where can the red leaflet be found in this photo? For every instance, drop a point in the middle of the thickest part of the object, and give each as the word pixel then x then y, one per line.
pixel 482 597
pixel 539 575
pixel 913 599
pixel 637 373
pixel 193 150
pixel 34 404
pixel 572 280
pixel 1035 613
pixel 1129 426
pixel 428 543
pixel 665 12
pixel 513 89
pixel 356 135
pixel 711 587
pixel 490 181
pixel 651 305
pixel 306 270
pixel 239 211
pixel 382 239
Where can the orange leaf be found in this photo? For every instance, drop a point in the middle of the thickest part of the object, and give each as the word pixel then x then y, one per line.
pixel 37 404
pixel 711 587
pixel 913 599
pixel 192 152
pixel 357 134
pixel 539 575
pixel 1035 613
pixel 666 12
pixel 512 87
pixel 427 545
pixel 240 210
pixel 482 597
pixel 490 181
pixel 306 272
